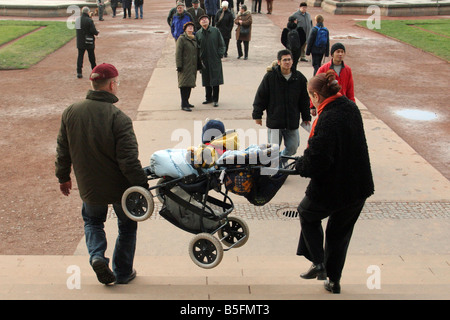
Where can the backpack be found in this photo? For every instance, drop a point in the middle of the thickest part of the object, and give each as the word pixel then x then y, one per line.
pixel 321 37
pixel 293 40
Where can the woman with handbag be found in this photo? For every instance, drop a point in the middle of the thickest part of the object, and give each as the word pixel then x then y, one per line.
pixel 243 31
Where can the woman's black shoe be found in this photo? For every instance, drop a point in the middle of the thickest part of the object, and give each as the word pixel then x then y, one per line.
pixel 331 286
pixel 186 109
pixel 316 271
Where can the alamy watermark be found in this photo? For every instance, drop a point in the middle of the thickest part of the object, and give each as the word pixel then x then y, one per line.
pixel 374 21
pixel 374 280
pixel 72 22
pixel 74 280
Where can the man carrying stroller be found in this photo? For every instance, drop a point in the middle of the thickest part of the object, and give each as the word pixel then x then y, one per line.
pixel 104 153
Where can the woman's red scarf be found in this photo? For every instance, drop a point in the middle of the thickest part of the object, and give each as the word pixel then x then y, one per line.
pixel 320 109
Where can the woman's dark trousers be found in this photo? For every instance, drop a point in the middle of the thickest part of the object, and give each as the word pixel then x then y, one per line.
pixel 185 93
pixel 338 234
pixel 239 48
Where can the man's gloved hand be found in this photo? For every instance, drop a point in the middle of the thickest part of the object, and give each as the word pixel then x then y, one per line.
pixel 65 187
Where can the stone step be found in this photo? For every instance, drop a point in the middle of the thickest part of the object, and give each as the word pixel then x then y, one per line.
pixel 236 278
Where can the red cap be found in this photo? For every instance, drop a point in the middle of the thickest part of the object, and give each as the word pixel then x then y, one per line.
pixel 103 71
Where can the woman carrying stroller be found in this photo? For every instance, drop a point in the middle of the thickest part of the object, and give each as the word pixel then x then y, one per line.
pixel 337 161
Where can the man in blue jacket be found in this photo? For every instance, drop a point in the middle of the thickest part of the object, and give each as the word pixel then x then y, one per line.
pixel 178 20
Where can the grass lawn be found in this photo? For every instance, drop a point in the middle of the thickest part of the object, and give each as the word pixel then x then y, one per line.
pixel 33 47
pixel 429 35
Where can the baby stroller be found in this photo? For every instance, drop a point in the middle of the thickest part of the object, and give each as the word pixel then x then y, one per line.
pixel 193 199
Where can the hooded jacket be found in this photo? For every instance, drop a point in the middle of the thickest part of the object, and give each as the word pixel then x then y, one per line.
pixel 283 100
pixel 98 139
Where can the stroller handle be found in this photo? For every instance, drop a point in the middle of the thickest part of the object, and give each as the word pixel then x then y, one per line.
pixel 274 171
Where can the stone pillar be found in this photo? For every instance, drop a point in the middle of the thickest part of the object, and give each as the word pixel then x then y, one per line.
pixel 314 3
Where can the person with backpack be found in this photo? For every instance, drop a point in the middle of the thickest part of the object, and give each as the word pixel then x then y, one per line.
pixel 293 38
pixel 318 43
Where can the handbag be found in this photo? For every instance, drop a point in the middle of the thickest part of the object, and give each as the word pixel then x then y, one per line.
pixel 244 31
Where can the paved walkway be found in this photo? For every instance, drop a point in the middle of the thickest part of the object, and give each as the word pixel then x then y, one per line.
pixel 400 247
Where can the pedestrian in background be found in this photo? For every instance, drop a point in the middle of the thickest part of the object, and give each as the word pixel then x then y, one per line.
pixel 86 33
pixel 212 49
pixel 126 5
pixel 139 7
pixel 318 43
pixel 224 22
pixel 114 4
pixel 344 74
pixel 304 21
pixel 293 38
pixel 256 6
pixel 282 93
pixel 101 9
pixel 196 12
pixel 211 8
pixel 243 30
pixel 98 140
pixel 187 62
pixel 178 20
pixel 269 4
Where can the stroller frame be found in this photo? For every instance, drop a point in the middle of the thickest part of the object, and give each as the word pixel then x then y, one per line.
pixel 205 250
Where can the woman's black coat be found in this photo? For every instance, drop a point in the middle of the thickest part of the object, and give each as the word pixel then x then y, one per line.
pixel 337 158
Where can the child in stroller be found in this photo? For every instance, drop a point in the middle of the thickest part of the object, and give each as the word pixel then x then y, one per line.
pixel 186 181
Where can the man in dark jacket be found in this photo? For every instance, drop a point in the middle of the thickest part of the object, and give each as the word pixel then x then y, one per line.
pixel 225 22
pixel 283 95
pixel 196 12
pixel 86 33
pixel 98 140
pixel 212 49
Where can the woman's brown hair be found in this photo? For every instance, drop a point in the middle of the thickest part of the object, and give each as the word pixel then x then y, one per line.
pixel 324 84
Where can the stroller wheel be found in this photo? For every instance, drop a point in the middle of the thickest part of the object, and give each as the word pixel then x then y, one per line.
pixel 205 250
pixel 137 203
pixel 234 233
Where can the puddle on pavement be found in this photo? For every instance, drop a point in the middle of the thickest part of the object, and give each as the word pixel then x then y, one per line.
pixel 417 114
